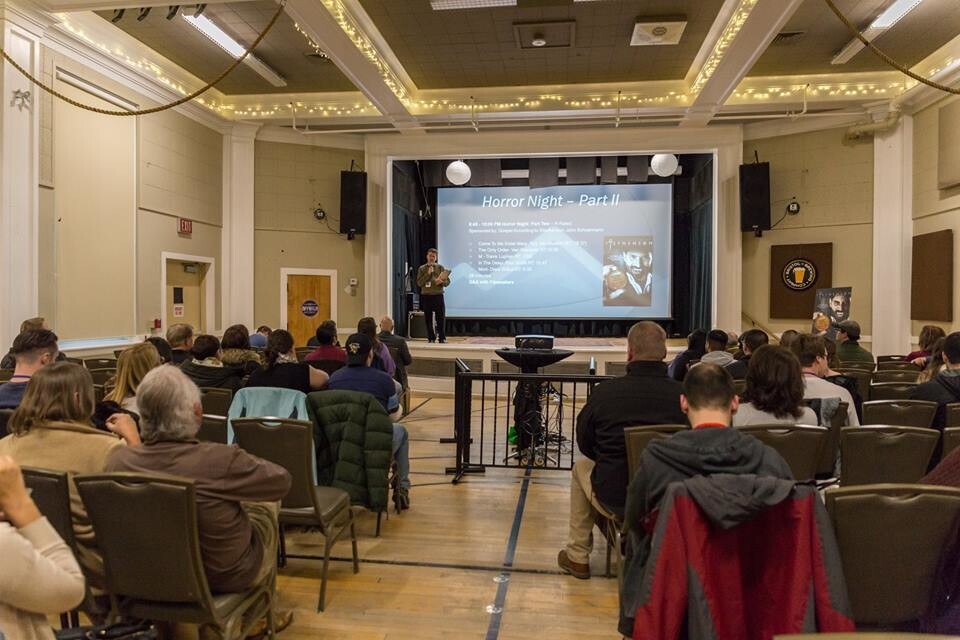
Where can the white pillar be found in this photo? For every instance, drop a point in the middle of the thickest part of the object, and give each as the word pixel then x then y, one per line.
pixel 237 234
pixel 892 238
pixel 19 168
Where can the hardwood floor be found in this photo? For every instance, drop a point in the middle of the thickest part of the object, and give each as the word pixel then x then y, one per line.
pixel 431 574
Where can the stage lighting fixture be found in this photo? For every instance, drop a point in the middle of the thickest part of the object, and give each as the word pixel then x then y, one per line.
pixel 172 11
pixel 117 15
pixel 458 172
pixel 205 26
pixel 664 164
pixel 199 10
pixel 144 12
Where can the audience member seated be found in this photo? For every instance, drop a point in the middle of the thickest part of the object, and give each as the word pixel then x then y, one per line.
pixel 51 429
pixel 235 349
pixel 40 576
pixel 774 393
pixel 33 349
pixel 847 382
pixel 33 324
pixel 237 494
pixel 331 326
pixel 132 365
pixel 848 343
pixel 180 337
pixel 645 395
pixel 258 340
pixel 359 375
pixel 787 338
pixel 943 616
pixel 381 355
pixel 162 347
pixel 207 370
pixel 942 389
pixel 282 369
pixel 709 448
pixel 811 351
pixel 717 349
pixel 932 364
pixel 696 347
pixel 751 341
pixel 327 348
pixel 389 338
pixel 929 335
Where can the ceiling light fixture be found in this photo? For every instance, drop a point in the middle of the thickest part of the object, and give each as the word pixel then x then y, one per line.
pixel 143 14
pixel 445 5
pixel 887 18
pixel 458 172
pixel 664 164
pixel 173 11
pixel 205 26
pixel 539 41
pixel 117 15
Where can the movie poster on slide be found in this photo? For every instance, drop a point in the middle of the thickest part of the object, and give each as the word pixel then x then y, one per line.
pixel 830 307
pixel 627 271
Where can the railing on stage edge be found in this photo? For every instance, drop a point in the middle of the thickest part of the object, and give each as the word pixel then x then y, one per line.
pixel 549 405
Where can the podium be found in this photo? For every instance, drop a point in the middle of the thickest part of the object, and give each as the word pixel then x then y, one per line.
pixel 530 419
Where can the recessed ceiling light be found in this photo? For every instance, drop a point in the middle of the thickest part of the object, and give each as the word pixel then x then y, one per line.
pixel 204 25
pixel 444 5
pixel 887 18
pixel 539 41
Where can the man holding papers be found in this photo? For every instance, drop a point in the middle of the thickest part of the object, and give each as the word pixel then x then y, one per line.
pixel 432 278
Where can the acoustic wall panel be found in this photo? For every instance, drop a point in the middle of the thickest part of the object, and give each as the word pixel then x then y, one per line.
pixel 787 299
pixel 931 287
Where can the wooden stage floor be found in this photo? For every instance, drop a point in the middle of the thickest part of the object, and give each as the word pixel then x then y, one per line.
pixel 431 572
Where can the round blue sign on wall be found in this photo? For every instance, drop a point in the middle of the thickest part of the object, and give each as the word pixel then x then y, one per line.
pixel 309 308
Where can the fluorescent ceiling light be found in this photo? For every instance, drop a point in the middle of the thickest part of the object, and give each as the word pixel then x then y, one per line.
pixel 204 25
pixel 444 5
pixel 889 17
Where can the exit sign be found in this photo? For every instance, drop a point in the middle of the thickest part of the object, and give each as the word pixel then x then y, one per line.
pixel 184 226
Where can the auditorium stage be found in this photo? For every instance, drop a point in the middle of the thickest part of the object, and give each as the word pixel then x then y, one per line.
pixel 433 364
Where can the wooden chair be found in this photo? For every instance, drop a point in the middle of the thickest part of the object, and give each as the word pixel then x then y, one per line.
pixel 148 534
pixel 101 376
pixel 897 365
pixel 799 445
pixel 289 443
pixel 213 429
pixel 881 453
pixel 215 401
pixel 901 413
pixel 637 439
pixel 890 539
pixel 952 414
pixel 100 363
pixel 891 390
pixel 896 375
pixel 951 440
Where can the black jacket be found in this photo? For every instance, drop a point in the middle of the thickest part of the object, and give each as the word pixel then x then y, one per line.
pixel 644 396
pixel 180 356
pixel 225 377
pixel 943 390
pixel 392 340
pixel 738 368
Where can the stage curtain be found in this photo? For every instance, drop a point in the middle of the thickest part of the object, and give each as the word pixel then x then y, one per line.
pixel 701 264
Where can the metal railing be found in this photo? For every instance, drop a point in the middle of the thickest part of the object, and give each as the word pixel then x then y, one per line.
pixel 516 419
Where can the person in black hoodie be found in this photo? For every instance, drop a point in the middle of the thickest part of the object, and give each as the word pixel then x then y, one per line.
pixel 709 447
pixel 945 387
pixel 206 369
pixel 696 347
pixel 599 481
pixel 751 341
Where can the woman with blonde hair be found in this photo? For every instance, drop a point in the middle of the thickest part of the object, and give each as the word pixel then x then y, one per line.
pixel 132 365
pixel 51 429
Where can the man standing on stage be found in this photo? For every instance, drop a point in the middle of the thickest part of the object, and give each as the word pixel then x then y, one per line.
pixel 432 278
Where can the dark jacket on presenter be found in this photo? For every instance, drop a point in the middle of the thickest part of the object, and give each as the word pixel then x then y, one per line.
pixel 431 297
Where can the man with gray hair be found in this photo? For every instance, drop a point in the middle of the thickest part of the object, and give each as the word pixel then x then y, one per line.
pixel 237 493
pixel 180 337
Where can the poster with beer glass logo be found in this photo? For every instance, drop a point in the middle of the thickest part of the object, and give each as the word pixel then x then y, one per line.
pixel 831 306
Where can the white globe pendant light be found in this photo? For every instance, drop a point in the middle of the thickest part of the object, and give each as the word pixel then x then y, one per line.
pixel 664 164
pixel 458 172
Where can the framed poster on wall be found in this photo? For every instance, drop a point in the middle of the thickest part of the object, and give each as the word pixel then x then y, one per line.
pixel 796 272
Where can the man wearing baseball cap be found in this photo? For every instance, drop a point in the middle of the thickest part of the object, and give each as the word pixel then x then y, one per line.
pixel 358 375
pixel 848 347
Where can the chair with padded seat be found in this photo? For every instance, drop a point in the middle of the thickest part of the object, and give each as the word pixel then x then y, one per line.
pixel 303 352
pixel 901 413
pixel 100 363
pixel 897 365
pixel 890 537
pixel 830 453
pixel 327 365
pixel 215 401
pixel 896 375
pixel 799 445
pixel 74 361
pixel 147 531
pixel 50 491
pixel 885 453
pixel 951 440
pixel 102 376
pixel 289 443
pixel 891 358
pixel 951 414
pixel 740 387
pixel 856 364
pixel 4 418
pixel 637 438
pixel 400 375
pixel 891 390
pixel 863 379
pixel 213 429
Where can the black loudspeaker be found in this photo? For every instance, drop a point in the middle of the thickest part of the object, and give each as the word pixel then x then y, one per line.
pixel 353 202
pixel 755 197
pixel 416 325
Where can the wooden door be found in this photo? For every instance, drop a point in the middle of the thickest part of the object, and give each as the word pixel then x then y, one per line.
pixel 308 304
pixel 185 295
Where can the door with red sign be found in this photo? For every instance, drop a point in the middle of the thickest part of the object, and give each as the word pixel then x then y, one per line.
pixel 308 304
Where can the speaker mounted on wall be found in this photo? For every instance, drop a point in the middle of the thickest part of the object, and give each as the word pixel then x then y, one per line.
pixel 353 203
pixel 755 198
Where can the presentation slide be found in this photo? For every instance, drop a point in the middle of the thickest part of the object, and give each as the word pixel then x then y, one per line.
pixel 593 251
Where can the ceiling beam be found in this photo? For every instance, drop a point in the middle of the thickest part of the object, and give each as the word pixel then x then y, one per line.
pixel 70 6
pixel 721 68
pixel 373 77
